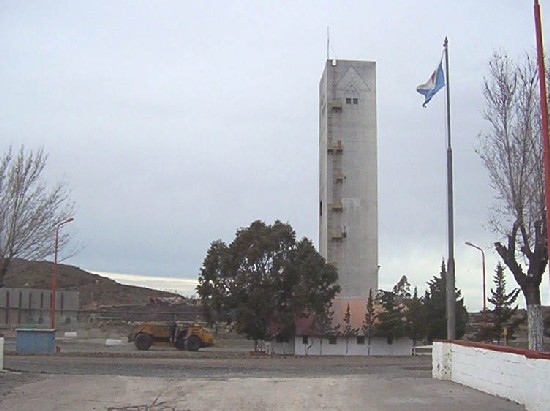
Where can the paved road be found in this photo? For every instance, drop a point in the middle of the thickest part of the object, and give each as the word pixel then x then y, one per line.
pixel 114 382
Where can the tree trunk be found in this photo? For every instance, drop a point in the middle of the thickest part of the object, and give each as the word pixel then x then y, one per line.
pixel 534 320
pixel 347 345
pixel 4 263
pixel 531 292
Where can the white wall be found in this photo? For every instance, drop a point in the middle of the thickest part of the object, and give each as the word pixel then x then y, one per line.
pixel 379 347
pixel 284 348
pixel 441 361
pixel 518 375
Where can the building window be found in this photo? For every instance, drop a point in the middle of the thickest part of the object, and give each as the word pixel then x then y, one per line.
pixel 332 340
pixel 282 338
pixel 355 101
pixel 320 208
pixel 348 100
pixel 305 339
pixel 361 340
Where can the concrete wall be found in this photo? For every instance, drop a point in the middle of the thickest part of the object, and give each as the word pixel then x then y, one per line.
pixel 32 306
pixel 516 374
pixel 379 347
pixel 348 193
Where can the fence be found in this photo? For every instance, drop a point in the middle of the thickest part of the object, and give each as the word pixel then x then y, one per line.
pixel 28 306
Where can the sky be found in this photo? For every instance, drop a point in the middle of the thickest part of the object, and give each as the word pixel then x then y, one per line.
pixel 176 123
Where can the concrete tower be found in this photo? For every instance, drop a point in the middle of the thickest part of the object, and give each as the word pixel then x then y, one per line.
pixel 348 194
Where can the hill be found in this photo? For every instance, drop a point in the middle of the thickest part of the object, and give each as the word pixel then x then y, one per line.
pixel 95 290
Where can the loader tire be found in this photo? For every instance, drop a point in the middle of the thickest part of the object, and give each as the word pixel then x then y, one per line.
pixel 180 342
pixel 193 343
pixel 143 341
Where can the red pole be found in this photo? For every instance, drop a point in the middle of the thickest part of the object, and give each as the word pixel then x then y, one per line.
pixel 484 296
pixel 544 118
pixel 54 279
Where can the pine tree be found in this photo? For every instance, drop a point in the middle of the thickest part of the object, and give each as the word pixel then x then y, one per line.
pixel 348 330
pixel 435 303
pixel 402 289
pixel 415 318
pixel 390 320
pixel 368 323
pixel 503 311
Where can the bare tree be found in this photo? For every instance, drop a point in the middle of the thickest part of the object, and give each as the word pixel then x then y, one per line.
pixel 29 209
pixel 512 153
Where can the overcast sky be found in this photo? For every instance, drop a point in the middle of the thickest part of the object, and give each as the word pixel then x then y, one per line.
pixel 177 122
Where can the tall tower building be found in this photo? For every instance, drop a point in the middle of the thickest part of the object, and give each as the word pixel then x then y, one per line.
pixel 348 193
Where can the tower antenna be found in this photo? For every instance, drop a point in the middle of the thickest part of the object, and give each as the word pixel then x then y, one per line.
pixel 328 42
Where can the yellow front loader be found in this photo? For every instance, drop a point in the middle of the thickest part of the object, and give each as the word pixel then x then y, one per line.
pixel 184 336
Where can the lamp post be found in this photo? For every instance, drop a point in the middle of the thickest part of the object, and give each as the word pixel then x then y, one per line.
pixel 54 272
pixel 483 269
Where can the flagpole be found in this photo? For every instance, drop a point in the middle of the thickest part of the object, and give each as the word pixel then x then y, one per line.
pixel 544 118
pixel 450 283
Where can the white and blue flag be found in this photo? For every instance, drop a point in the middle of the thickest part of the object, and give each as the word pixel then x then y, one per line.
pixel 433 85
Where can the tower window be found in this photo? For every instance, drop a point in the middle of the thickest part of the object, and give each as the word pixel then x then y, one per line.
pixel 355 101
pixel 348 100
pixel 320 208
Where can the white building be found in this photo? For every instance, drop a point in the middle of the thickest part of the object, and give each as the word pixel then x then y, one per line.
pixel 307 341
pixel 348 197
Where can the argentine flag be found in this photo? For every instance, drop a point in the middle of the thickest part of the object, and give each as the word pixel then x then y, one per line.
pixel 433 85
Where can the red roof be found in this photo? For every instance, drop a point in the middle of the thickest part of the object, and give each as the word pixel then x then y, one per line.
pixel 357 308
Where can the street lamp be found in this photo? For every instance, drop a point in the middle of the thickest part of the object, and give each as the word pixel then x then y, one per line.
pixel 483 268
pixel 54 272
